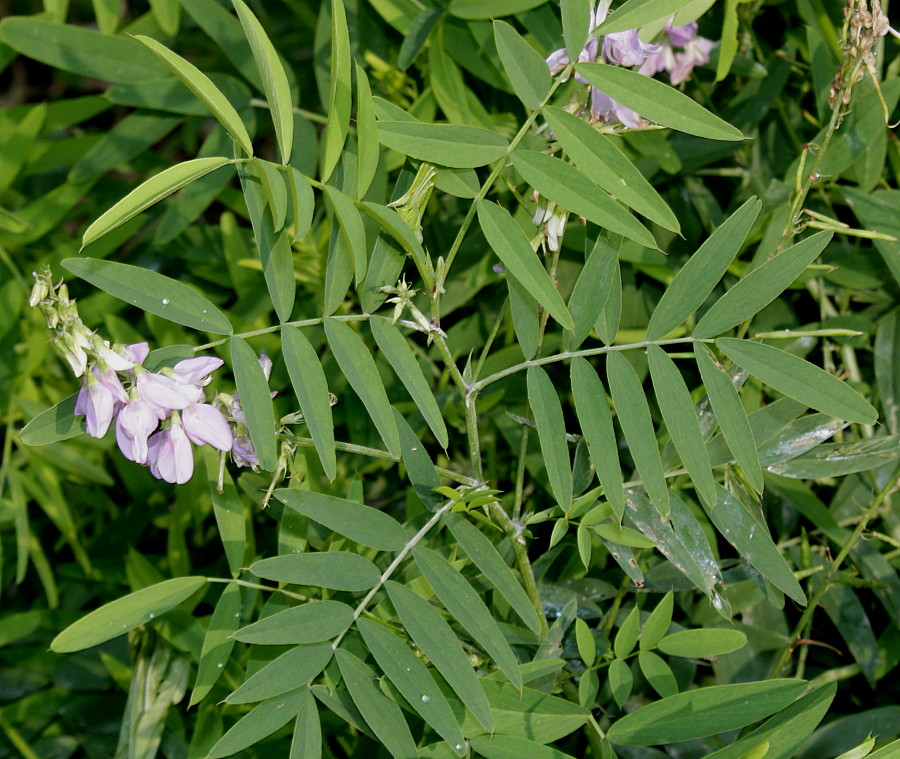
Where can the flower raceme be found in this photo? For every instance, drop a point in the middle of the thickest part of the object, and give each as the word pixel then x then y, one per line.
pixel 158 416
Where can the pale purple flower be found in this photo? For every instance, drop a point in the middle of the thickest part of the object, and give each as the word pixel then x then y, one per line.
pixel 664 60
pixel 96 404
pixel 170 455
pixel 242 451
pixel 205 424
pixel 559 59
pixel 626 48
pixel 196 371
pixel 166 393
pixel 133 426
pixel 696 53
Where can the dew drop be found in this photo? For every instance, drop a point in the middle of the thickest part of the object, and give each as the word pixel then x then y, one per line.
pixel 407 669
pixel 151 615
pixel 459 746
pixel 165 301
pixel 425 699
pixel 204 310
pixel 220 666
pixel 414 449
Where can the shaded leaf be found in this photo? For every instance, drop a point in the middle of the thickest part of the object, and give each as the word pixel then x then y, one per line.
pixel 260 722
pixel 460 147
pixel 283 674
pixel 339 91
pixel 551 427
pixel 338 570
pixel 362 524
pixel 526 69
pixel 312 622
pixel 702 643
pixel 217 643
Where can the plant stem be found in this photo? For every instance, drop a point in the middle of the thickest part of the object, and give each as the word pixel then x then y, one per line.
pixel 826 582
pixel 477 387
pixel 386 575
pixel 521 551
pixel 258 586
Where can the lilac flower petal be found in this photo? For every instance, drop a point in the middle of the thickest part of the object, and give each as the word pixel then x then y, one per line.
pixel 133 426
pixel 194 370
pixel 265 364
pixel 113 360
pixel 99 409
pixel 625 48
pixel 205 424
pixel 173 457
pixel 111 381
pixel 242 451
pixel 696 53
pixel 165 392
pixel 81 400
pixel 136 352
pixel 558 60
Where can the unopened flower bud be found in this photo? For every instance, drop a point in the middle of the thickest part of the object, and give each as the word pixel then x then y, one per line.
pixel 39 292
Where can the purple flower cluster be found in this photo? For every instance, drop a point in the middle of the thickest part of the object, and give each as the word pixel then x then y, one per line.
pixel 627 49
pixel 173 396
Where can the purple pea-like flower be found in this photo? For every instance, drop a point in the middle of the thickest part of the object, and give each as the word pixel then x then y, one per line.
pixel 626 48
pixel 166 393
pixel 242 451
pixel 136 352
pixel 604 107
pixel 133 426
pixel 170 455
pixel 196 371
pixel 681 35
pixel 205 424
pixel 696 53
pixel 111 381
pixel 96 404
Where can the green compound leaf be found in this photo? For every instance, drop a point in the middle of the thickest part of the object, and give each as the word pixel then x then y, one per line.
pixel 464 603
pixel 311 389
pixel 118 617
pixel 511 747
pixel 730 414
pixel 696 280
pixel 439 643
pixel 634 416
pixel 657 101
pixel 356 362
pixel 339 91
pixel 274 79
pixel 307 741
pixel 351 225
pixel 379 712
pixel 551 427
pixel 299 665
pixel 698 644
pixel 486 557
pixel 55 424
pixel 799 379
pixel 761 286
pixel 526 69
pixel 337 570
pixel 600 159
pixel 752 541
pixel 362 524
pixel 677 407
pixel 658 673
pixel 152 292
pixel 635 13
pixel 657 624
pixel 459 147
pixel 260 722
pixel 406 671
pixel 595 419
pixel 512 247
pixel 405 365
pixel 576 22
pixel 256 401
pixel 312 622
pixel 569 188
pixel 149 193
pixel 712 710
pixel 205 91
pixel 217 643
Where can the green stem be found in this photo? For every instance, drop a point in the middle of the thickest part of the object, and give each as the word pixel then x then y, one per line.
pixel 519 548
pixel 375 453
pixel 310 115
pixel 477 387
pixel 826 582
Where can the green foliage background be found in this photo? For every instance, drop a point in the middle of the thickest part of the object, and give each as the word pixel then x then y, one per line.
pixel 768 614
